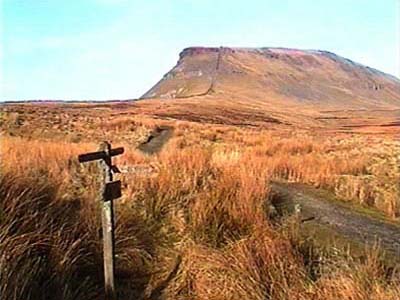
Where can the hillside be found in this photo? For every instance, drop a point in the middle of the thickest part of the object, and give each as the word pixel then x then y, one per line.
pixel 303 76
pixel 281 85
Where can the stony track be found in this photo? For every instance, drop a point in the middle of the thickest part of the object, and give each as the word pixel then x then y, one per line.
pixel 156 140
pixel 350 223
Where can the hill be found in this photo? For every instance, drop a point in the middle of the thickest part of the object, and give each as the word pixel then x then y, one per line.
pixel 280 85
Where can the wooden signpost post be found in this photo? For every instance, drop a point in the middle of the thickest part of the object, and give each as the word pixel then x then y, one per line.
pixel 110 190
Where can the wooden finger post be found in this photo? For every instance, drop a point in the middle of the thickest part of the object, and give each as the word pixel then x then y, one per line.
pixel 110 190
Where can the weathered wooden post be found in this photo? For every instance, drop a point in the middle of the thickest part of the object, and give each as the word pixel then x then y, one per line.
pixel 110 190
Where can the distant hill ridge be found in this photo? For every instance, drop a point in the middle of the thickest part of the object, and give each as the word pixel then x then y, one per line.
pixel 279 76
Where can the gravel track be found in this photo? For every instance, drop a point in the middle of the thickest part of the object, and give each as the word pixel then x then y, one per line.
pixel 350 223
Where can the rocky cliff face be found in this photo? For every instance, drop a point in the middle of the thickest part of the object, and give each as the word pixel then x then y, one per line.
pixel 278 76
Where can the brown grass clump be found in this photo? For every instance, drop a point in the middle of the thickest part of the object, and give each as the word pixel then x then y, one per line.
pixel 232 206
pixel 259 266
pixel 42 248
pixel 348 279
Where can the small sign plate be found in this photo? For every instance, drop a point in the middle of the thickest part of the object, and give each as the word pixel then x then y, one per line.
pixel 112 190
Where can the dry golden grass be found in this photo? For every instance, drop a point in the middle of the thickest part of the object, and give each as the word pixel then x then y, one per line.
pixel 193 226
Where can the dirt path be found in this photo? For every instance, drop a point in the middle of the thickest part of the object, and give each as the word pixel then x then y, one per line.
pixel 156 140
pixel 353 224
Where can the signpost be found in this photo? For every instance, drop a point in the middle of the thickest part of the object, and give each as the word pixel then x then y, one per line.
pixel 110 190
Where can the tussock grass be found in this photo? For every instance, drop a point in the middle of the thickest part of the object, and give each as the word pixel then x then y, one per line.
pixel 198 227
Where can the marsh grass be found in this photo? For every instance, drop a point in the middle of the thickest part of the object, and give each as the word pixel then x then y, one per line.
pixel 198 228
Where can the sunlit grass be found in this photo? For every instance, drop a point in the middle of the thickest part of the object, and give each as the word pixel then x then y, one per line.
pixel 196 226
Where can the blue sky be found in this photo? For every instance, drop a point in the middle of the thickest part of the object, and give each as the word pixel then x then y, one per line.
pixel 117 49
